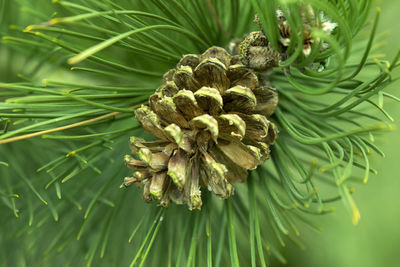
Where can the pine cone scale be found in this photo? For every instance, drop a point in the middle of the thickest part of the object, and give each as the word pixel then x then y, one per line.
pixel 212 73
pixel 240 99
pixel 232 124
pixel 241 154
pixel 177 168
pixel 209 100
pixel 186 104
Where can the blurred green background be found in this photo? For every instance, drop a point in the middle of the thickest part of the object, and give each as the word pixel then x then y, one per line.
pixel 375 241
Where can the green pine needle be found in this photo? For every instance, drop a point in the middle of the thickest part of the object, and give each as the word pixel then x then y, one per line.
pixel 64 131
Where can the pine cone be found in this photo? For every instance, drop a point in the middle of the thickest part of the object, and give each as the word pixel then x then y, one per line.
pixel 309 21
pixel 256 52
pixel 210 118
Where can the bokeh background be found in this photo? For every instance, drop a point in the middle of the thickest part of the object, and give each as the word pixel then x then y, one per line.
pixel 375 241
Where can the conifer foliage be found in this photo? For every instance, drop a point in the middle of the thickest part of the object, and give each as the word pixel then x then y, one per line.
pixel 297 82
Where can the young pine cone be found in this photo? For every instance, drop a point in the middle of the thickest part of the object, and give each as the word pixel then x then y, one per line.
pixel 256 52
pixel 309 21
pixel 210 118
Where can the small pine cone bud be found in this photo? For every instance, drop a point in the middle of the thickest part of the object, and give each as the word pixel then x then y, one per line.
pixel 257 53
pixel 310 21
pixel 211 120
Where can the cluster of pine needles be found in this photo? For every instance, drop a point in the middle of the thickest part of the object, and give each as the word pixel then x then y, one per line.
pixel 73 73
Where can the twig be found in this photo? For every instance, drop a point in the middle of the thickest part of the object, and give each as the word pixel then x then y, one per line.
pixel 216 18
pixel 27 136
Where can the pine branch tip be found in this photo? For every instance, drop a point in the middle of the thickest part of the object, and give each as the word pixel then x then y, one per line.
pixel 28 28
pixel 54 21
pixel 70 154
pixel 76 59
pixel 356 216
